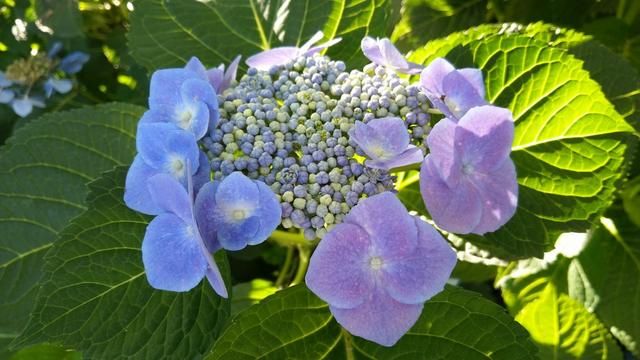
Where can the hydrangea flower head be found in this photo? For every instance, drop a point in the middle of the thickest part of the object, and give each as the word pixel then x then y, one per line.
pixel 221 79
pixel 237 211
pixel 282 55
pixel 378 267
pixel 184 98
pixel 452 91
pixel 174 255
pixel 382 52
pixel 386 142
pixel 468 181
pixel 162 149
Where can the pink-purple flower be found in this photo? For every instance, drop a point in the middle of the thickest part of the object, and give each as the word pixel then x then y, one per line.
pixel 452 91
pixel 385 141
pixel 282 55
pixel 468 181
pixel 378 267
pixel 382 52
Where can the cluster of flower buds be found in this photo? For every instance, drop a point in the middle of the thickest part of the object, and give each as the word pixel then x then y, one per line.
pixel 27 82
pixel 300 142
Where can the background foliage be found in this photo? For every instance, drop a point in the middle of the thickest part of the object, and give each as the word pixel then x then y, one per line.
pixel 72 282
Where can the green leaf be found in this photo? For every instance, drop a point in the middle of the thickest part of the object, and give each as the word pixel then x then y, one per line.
pixel 295 324
pixel 95 297
pixel 424 20
pixel 539 294
pixel 249 293
pixel 43 171
pixel 570 143
pixel 564 329
pixel 167 33
pixel 631 199
pixel 610 272
pixel 46 352
pixel 63 16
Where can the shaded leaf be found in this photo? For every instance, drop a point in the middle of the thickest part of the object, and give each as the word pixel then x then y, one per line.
pixel 43 171
pixel 167 33
pixel 95 297
pixel 295 324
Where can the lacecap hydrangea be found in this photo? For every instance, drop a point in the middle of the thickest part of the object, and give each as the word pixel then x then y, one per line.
pixel 301 143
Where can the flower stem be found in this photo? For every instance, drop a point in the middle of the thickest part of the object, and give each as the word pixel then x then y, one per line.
pixel 304 252
pixel 285 268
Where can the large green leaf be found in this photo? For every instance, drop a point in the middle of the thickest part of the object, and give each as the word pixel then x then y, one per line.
pixel 295 324
pixel 537 293
pixel 564 329
pixel 43 171
pixel 95 297
pixel 424 20
pixel 167 33
pixel 609 269
pixel 569 144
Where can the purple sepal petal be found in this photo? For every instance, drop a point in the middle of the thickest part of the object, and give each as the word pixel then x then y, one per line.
pixel 167 149
pixel 203 173
pixel 442 150
pixel 460 95
pixel 74 62
pixel 270 214
pixel 22 107
pixel 413 155
pixel 499 197
pixel 173 260
pixel 221 80
pixel 273 57
pixel 237 189
pixel 454 209
pixel 322 46
pixel 337 270
pixel 195 111
pixel 165 85
pixel 380 319
pixel 6 96
pixel 170 196
pixel 452 91
pixel 197 67
pixel 205 207
pixel 475 78
pixel 386 221
pixel 484 137
pixel 391 55
pixel 217 282
pixel 384 53
pixel 433 259
pixel 235 235
pixel 371 50
pixel 136 192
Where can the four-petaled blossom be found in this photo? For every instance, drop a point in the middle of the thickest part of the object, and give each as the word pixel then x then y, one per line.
pixel 452 91
pixel 162 148
pixel 282 55
pixel 221 79
pixel 468 181
pixel 386 142
pixel 184 98
pixel 237 212
pixel 174 255
pixel 382 52
pixel 378 267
